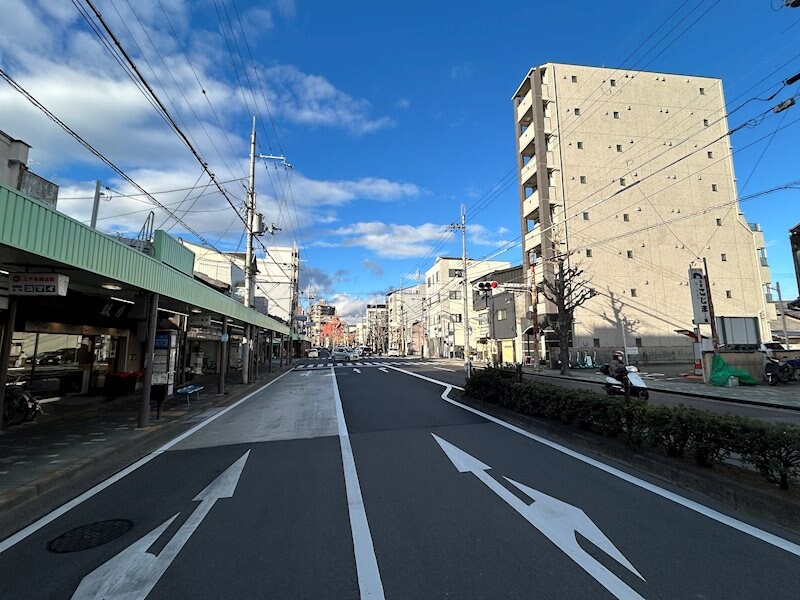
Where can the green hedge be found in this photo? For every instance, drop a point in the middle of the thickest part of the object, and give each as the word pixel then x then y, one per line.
pixel 773 449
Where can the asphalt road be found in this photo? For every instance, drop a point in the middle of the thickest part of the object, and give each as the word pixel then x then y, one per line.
pixel 363 482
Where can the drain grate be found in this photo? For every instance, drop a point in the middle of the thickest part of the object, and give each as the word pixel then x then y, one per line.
pixel 89 536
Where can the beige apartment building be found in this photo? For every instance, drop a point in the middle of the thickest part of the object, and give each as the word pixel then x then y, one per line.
pixel 600 181
pixel 405 308
pixel 444 305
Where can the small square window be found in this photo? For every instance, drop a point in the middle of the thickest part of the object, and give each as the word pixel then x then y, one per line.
pixel 577 112
pixel 626 217
pixel 616 115
pixel 702 91
pixel 633 293
pixel 619 147
pixel 719 222
pixel 574 79
pixel 588 253
pixel 580 145
pixel 613 83
pixel 596 342
pixel 622 181
pixel 582 179
pixel 710 154
pixel 586 216
pixel 705 122
pixel 630 253
pixel 714 187
pixel 638 342
pixel 723 257
pixel 728 294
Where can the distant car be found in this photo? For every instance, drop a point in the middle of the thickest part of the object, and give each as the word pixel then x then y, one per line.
pixel 393 352
pixel 313 353
pixel 340 353
pixel 366 351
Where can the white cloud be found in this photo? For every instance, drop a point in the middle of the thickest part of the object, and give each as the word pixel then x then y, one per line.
pixel 481 235
pixel 374 268
pixel 461 71
pixel 287 8
pixel 314 192
pixel 351 308
pixel 402 103
pixel 391 240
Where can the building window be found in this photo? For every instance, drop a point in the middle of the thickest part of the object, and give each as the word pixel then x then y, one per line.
pixel 596 342
pixel 630 253
pixel 588 253
pixel 710 154
pixel 619 147
pixel 723 257
pixel 702 91
pixel 633 293
pixel 616 114
pixel 580 145
pixel 626 217
pixel 456 318
pixel 714 187
pixel 638 342
pixel 705 122
pixel 719 222
pixel 582 179
pixel 574 79
pixel 501 314
pixel 728 294
pixel 586 216
pixel 429 282
pixel 577 112
pixel 613 83
pixel 436 280
pixel 455 295
pixel 622 181
pixel 455 272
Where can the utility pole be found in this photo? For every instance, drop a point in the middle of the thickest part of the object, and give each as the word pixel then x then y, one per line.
pixel 464 286
pixel 249 275
pixel 96 205
pixel 783 314
pixel 293 303
pixel 714 335
pixel 401 329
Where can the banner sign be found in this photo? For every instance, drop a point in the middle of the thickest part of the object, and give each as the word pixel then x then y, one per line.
pixel 37 284
pixel 699 290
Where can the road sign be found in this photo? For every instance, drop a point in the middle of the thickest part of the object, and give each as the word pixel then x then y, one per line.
pixel 632 350
pixel 556 520
pixel 224 338
pixel 37 284
pixel 700 303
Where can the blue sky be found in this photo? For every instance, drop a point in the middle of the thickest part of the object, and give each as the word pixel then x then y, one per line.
pixel 392 115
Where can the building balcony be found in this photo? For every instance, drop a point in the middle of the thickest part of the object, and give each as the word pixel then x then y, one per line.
pixel 533 239
pixel 526 140
pixel 528 172
pixel 525 109
pixel 530 206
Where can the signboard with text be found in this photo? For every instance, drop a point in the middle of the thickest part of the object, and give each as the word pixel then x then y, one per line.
pixel 37 284
pixel 699 290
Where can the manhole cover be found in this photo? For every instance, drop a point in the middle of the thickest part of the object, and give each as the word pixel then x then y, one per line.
pixel 89 536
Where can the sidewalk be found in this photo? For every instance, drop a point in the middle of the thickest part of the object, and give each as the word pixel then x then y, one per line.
pixel 79 433
pixel 780 396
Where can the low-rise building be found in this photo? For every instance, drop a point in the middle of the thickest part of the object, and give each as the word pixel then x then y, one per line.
pixel 405 307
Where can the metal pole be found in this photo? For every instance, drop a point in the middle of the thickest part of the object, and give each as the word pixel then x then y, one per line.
pixel 223 356
pixel 249 275
pixel 270 351
pixel 783 314
pixel 152 319
pixel 96 206
pixel 714 336
pixel 33 361
pixel 465 291
pixel 624 338
pixel 5 350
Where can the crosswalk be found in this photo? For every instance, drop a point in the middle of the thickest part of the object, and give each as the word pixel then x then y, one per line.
pixel 384 363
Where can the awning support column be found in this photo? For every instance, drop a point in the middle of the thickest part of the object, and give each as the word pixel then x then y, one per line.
pixel 223 356
pixel 5 350
pixel 152 320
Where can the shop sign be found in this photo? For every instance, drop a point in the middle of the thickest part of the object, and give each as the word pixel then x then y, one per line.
pixel 37 284
pixel 699 290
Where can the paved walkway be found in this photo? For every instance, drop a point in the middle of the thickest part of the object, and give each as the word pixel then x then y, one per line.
pixel 782 395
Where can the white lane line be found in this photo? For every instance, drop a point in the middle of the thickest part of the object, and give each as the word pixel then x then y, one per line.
pixel 56 513
pixel 746 528
pixel 369 577
pixel 443 369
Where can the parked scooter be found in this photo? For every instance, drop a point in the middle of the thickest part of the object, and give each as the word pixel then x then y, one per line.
pixel 776 371
pixel 636 385
pixel 19 405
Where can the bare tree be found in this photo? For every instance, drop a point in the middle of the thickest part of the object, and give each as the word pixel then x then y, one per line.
pixel 567 291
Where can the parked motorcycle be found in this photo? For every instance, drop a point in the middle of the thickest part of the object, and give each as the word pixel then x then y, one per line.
pixel 636 385
pixel 19 405
pixel 778 371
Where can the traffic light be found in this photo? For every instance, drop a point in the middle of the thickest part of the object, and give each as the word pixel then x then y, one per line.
pixel 485 286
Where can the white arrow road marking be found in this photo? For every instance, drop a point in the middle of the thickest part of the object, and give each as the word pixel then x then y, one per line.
pixel 557 520
pixel 133 573
pixel 443 369
pixel 357 371
pixel 383 369
pixel 305 373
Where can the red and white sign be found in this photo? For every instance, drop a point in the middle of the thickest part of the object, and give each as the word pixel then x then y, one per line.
pixel 38 284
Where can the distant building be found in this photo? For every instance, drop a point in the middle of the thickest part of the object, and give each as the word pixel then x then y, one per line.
pixel 599 183
pixel 318 315
pixel 794 240
pixel 377 318
pixel 15 174
pixel 502 317
pixel 405 308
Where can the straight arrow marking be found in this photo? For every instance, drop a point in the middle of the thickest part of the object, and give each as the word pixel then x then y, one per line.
pixel 305 374
pixel 556 520
pixel 357 371
pixel 133 573
pixel 383 369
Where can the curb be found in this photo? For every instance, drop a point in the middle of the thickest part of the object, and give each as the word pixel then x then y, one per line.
pixel 680 393
pixel 157 432
pixel 779 509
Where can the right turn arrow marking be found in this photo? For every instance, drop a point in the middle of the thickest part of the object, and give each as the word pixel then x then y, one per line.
pixel 556 520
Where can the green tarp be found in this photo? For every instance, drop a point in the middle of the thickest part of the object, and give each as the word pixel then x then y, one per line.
pixel 721 372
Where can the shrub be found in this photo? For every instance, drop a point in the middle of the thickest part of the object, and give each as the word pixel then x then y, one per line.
pixel 668 428
pixel 773 449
